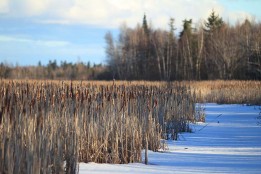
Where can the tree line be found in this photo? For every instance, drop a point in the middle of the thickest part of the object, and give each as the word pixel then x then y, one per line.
pixel 212 50
pixel 54 71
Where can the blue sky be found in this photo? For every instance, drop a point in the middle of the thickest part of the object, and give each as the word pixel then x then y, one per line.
pixel 73 30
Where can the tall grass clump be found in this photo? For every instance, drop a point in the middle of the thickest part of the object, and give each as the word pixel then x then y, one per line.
pixel 50 126
pixel 227 92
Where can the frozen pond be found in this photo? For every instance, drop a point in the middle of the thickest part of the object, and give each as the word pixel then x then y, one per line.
pixel 229 142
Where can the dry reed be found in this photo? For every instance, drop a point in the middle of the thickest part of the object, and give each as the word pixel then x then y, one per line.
pixel 50 126
pixel 227 92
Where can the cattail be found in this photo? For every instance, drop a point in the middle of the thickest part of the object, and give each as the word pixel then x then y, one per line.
pixel 91 122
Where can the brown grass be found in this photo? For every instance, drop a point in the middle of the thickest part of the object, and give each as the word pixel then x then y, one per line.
pixel 226 92
pixel 50 126
pixel 47 123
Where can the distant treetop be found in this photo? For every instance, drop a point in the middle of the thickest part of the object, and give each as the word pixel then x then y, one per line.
pixel 213 22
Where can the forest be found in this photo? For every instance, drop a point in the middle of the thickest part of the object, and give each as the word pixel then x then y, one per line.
pixel 210 50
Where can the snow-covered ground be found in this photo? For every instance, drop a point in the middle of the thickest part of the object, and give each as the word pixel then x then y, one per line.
pixel 227 143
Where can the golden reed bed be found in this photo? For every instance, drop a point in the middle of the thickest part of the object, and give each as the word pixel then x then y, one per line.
pixel 46 124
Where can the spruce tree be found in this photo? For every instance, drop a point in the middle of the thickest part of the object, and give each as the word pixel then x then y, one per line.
pixel 213 22
pixel 172 28
pixel 145 24
pixel 187 27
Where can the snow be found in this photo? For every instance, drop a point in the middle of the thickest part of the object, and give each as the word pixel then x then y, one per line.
pixel 227 143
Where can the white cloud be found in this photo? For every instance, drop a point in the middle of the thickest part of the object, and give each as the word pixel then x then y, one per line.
pixel 47 43
pixel 51 21
pixel 3 6
pixel 35 7
pixel 111 13
pixel 52 43
pixel 48 8
pixel 4 38
pixel 238 16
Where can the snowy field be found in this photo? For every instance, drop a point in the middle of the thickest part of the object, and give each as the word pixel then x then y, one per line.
pixel 227 143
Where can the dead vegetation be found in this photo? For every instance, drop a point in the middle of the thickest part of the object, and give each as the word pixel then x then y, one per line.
pixel 227 92
pixel 50 126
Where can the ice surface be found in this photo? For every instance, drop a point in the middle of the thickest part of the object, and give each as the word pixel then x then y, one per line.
pixel 227 143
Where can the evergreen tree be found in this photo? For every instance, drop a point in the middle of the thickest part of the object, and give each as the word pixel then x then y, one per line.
pixel 187 27
pixel 39 64
pixel 213 22
pixel 145 25
pixel 185 44
pixel 172 28
pixel 171 32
